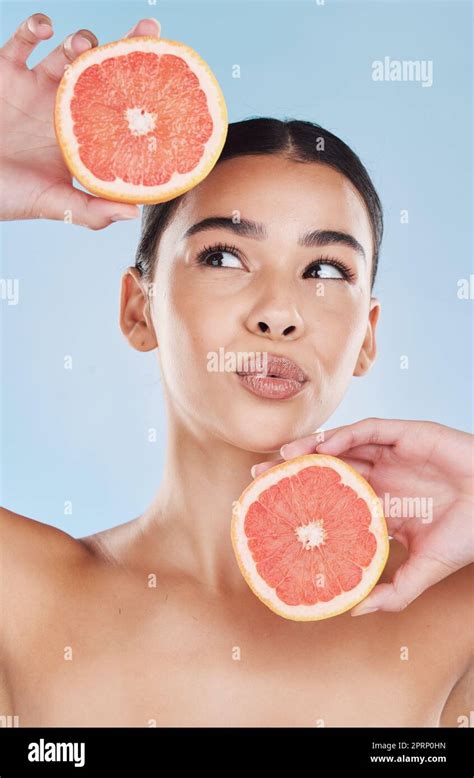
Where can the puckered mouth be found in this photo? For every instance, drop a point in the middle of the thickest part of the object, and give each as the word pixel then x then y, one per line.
pixel 278 367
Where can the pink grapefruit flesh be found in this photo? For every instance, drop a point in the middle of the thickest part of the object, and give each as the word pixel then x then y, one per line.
pixel 140 120
pixel 310 537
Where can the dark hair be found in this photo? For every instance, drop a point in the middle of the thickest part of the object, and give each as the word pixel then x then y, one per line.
pixel 299 141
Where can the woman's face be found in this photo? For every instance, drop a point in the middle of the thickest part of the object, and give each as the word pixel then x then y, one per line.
pixel 268 294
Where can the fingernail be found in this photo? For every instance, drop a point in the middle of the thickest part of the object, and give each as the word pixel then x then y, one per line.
pixel 36 24
pixel 324 444
pixel 88 36
pixel 82 43
pixel 150 19
pixel 363 611
pixel 252 471
pixel 67 42
pixel 119 216
pixel 83 40
pixel 288 451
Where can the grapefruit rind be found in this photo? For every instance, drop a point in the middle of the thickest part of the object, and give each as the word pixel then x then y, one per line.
pixel 120 190
pixel 342 602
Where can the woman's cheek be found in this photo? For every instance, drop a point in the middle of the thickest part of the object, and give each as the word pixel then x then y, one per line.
pixel 338 337
pixel 193 329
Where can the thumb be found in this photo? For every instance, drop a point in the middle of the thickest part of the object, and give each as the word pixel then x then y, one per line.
pixel 65 203
pixel 411 579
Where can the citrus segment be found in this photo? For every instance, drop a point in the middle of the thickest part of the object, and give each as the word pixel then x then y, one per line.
pixel 310 537
pixel 140 120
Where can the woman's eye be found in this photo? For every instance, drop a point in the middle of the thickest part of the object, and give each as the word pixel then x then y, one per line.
pixel 220 259
pixel 323 270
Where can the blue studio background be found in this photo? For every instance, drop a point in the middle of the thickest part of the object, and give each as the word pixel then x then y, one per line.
pixel 81 434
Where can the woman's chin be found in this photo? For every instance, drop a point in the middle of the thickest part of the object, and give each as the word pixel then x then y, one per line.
pixel 259 425
pixel 266 444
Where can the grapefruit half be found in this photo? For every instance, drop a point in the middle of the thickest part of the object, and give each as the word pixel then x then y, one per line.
pixel 140 120
pixel 310 537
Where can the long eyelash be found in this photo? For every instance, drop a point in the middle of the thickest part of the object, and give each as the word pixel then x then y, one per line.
pixel 214 249
pixel 348 272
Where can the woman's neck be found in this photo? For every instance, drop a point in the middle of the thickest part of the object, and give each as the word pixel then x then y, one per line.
pixel 188 522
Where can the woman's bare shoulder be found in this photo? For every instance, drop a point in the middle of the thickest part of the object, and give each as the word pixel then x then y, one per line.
pixel 437 624
pixel 440 627
pixel 114 545
pixel 36 561
pixel 451 600
pixel 455 607
pixel 34 556
pixel 27 540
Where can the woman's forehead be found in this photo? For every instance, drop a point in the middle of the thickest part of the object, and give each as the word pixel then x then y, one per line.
pixel 279 179
pixel 281 195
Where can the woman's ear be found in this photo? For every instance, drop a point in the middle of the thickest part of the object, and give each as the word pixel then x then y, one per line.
pixel 135 317
pixel 368 351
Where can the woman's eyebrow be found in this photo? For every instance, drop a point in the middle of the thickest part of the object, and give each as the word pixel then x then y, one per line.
pixel 251 229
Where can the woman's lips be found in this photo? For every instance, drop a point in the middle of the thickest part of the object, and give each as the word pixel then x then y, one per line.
pixel 271 388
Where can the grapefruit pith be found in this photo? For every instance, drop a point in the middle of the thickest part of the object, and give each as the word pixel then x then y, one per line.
pixel 140 120
pixel 310 537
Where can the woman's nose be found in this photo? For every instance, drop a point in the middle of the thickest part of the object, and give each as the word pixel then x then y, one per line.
pixel 276 324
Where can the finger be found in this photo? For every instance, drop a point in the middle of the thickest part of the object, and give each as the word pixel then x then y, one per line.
pixel 26 37
pixel 379 431
pixel 52 66
pixel 371 452
pixel 307 444
pixel 145 27
pixel 262 466
pixel 362 467
pixel 412 578
pixel 64 203
pixel 358 464
pixel 301 446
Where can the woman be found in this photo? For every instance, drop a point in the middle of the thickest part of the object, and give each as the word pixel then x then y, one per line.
pixel 151 623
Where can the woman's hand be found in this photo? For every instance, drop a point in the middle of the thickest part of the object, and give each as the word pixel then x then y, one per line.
pixel 423 473
pixel 35 182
